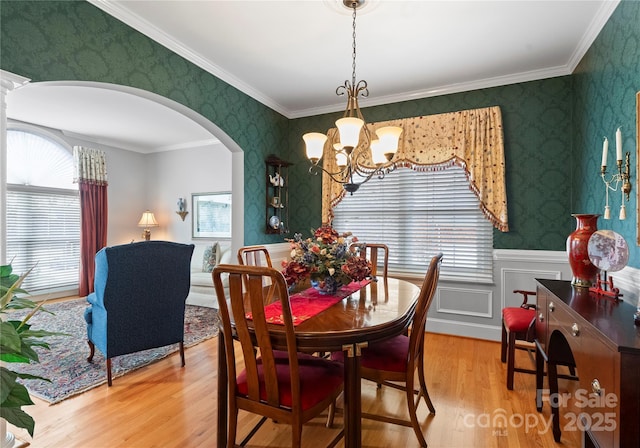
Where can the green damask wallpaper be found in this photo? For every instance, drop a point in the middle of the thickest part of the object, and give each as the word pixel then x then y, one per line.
pixel 537 126
pixel 74 40
pixel 553 128
pixel 605 86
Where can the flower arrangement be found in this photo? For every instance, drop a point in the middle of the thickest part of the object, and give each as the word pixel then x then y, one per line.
pixel 328 259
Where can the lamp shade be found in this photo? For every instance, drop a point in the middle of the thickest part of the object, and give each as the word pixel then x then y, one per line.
pixel 148 220
pixel 349 128
pixel 377 153
pixel 314 141
pixel 341 159
pixel 389 137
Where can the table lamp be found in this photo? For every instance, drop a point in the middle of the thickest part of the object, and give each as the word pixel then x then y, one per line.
pixel 147 221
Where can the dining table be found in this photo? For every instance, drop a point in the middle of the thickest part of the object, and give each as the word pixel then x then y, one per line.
pixel 375 311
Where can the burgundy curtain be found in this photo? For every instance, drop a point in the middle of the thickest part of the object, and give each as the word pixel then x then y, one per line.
pixel 91 176
pixel 93 233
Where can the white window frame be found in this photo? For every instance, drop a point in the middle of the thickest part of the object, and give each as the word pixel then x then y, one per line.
pixel 55 249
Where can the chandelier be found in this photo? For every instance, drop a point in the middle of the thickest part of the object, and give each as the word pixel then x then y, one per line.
pixel 358 156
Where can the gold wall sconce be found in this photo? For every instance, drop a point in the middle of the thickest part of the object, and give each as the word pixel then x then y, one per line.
pixel 182 208
pixel 622 176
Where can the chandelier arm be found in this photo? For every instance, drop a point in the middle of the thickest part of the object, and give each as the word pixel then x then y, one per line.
pixel 345 174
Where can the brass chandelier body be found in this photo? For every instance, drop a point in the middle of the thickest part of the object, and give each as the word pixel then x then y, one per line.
pixel 353 144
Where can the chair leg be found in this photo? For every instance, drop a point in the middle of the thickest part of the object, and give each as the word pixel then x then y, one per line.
pixel 109 382
pixel 296 435
pixel 414 418
pixel 182 352
pixel 511 359
pixel 92 350
pixel 503 344
pixel 331 415
pixel 423 386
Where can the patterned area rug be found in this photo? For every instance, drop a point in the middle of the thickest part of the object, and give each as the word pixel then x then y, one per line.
pixel 66 363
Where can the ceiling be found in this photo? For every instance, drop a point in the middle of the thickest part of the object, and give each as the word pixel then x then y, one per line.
pixel 291 55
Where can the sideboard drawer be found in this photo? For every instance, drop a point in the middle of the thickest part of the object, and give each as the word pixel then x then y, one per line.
pixel 597 397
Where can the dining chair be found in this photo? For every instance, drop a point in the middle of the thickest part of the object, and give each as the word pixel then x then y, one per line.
pixel 373 252
pixel 394 362
pixel 518 333
pixel 254 256
pixel 283 385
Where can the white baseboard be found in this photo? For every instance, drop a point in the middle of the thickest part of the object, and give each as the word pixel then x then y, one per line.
pixel 465 329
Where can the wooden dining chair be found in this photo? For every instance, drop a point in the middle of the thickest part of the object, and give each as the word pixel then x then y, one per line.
pixel 394 362
pixel 377 254
pixel 518 333
pixel 286 386
pixel 254 256
pixel 257 256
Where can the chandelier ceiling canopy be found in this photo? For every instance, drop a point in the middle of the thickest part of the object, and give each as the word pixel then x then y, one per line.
pixel 358 156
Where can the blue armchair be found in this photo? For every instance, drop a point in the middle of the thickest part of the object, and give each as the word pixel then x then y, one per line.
pixel 139 298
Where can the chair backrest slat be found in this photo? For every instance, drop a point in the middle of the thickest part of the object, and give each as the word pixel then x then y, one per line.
pixel 373 252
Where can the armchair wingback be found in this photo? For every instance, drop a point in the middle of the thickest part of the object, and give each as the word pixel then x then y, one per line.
pixel 139 298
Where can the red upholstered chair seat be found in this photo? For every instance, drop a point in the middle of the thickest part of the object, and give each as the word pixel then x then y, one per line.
pixel 318 378
pixel 390 355
pixel 517 325
pixel 518 319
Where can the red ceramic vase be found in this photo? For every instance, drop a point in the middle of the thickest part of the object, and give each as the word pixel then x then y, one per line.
pixel 584 272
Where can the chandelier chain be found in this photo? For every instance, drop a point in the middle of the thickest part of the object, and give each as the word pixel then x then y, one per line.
pixel 353 65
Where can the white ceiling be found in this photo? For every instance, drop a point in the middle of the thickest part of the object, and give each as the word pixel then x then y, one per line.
pixel 291 55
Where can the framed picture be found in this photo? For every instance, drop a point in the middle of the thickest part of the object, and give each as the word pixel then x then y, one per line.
pixel 211 215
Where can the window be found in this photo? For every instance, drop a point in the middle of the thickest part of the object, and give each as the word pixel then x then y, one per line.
pixel 43 212
pixel 418 214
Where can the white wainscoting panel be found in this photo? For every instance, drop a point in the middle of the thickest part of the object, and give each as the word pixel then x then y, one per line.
pixel 464 301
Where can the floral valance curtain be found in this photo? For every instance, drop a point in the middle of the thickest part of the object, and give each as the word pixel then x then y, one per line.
pixel 472 139
pixel 91 175
pixel 90 166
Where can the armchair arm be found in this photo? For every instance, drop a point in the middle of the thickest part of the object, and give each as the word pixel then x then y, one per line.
pixel 525 300
pixel 92 299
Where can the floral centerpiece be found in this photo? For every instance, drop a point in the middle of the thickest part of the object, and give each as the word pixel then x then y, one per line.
pixel 328 259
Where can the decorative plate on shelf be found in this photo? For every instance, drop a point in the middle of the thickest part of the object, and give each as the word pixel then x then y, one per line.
pixel 608 250
pixel 274 222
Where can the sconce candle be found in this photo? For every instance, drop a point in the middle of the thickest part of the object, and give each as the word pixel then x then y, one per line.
pixel 605 149
pixel 619 145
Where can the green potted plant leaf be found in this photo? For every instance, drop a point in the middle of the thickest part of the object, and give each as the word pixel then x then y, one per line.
pixel 17 342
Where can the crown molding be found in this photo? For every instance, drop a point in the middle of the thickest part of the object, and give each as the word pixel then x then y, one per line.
pixel 486 83
pixel 139 24
pixel 11 81
pixel 598 23
pixel 143 26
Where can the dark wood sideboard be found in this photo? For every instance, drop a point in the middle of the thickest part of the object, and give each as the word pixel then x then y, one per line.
pixel 599 336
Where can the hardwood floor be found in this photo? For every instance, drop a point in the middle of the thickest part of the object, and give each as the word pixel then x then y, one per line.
pixel 164 405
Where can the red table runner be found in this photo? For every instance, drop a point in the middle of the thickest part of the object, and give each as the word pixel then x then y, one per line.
pixel 308 303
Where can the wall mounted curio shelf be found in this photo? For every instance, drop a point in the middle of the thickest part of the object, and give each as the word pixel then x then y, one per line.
pixel 277 198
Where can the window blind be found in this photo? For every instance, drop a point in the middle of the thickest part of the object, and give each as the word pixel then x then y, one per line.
pixel 43 229
pixel 418 214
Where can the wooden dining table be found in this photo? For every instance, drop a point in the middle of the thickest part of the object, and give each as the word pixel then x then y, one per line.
pixel 378 311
